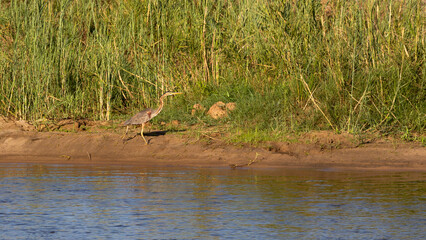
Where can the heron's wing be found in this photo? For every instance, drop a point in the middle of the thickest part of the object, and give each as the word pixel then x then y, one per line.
pixel 140 117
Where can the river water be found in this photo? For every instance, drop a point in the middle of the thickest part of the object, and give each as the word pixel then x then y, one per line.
pixel 116 202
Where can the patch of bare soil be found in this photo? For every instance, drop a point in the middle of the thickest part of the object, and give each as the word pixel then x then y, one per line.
pixel 74 143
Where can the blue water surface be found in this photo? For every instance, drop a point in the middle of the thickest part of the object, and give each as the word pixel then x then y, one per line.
pixel 129 202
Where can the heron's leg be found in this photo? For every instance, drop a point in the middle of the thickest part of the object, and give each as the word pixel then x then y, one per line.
pixel 146 143
pixel 125 134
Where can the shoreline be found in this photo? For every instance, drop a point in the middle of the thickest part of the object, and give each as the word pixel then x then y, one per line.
pixel 173 150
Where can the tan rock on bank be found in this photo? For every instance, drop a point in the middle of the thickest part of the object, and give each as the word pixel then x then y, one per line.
pixel 220 109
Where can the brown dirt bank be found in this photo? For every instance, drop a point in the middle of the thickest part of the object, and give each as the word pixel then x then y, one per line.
pixel 20 144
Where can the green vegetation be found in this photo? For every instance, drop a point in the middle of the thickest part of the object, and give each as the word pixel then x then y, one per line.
pixel 290 66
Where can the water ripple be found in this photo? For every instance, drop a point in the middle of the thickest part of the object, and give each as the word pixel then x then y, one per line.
pixel 92 202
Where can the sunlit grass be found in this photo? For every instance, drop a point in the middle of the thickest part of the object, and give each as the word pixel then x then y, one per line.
pixel 291 66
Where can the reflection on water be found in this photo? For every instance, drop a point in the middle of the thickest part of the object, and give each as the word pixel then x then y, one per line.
pixel 94 202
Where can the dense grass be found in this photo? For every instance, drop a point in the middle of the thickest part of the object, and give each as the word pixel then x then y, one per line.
pixel 289 65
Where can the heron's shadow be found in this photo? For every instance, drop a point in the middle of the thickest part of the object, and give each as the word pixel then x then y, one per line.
pixel 153 134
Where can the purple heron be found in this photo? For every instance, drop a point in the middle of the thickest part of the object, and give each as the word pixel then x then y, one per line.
pixel 145 115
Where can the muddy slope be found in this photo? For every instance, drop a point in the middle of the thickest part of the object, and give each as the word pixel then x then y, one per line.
pixel 20 143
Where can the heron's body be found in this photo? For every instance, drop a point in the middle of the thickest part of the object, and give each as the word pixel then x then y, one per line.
pixel 141 117
pixel 147 114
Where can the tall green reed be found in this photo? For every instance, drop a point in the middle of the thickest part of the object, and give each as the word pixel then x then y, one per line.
pixel 291 65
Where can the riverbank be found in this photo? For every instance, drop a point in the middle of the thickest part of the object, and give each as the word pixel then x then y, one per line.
pixel 22 143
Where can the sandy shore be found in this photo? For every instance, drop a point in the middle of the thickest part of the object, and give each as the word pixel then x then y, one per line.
pixel 18 145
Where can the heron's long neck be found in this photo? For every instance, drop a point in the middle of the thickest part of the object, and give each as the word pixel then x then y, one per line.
pixel 158 110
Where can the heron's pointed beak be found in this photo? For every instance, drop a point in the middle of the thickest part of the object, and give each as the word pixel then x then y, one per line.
pixel 177 93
